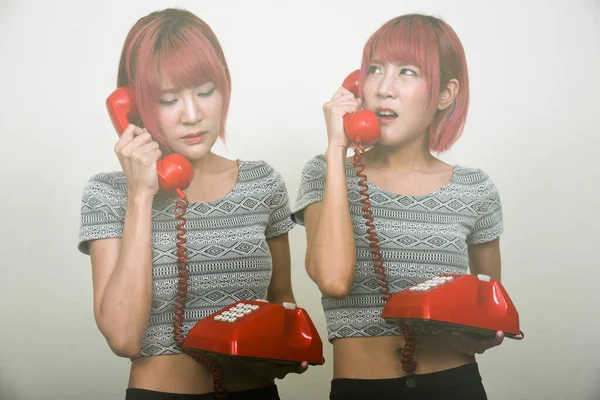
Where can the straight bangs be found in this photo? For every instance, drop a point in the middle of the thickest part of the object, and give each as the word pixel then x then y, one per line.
pixel 407 40
pixel 186 59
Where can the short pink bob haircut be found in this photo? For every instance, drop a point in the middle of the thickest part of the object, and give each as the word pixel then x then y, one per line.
pixel 432 45
pixel 176 45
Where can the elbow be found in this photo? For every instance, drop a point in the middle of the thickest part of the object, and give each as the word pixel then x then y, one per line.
pixel 124 347
pixel 122 342
pixel 332 281
pixel 334 289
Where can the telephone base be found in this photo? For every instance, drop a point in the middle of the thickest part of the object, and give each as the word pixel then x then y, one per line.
pixel 256 359
pixel 258 330
pixel 431 327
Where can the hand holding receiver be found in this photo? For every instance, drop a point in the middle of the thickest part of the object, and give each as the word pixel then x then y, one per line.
pixel 174 171
pixel 138 154
pixel 341 104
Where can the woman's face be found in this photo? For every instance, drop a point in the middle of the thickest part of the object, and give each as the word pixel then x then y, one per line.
pixel 399 96
pixel 189 119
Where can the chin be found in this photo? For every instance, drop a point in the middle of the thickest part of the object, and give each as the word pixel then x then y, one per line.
pixel 194 152
pixel 394 138
pixel 391 139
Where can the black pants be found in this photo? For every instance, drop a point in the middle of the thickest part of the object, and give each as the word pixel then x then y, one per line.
pixel 266 393
pixel 461 383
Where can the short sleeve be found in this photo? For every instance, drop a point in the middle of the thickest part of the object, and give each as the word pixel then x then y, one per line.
pixel 103 206
pixel 312 186
pixel 489 224
pixel 279 203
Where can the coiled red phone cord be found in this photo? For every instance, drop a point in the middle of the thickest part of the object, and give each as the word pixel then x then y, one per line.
pixel 408 364
pixel 180 301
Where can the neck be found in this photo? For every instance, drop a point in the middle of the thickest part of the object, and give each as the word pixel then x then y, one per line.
pixel 407 156
pixel 206 163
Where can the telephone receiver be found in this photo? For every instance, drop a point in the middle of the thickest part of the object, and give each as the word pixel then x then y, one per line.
pixel 258 330
pixel 175 172
pixel 361 126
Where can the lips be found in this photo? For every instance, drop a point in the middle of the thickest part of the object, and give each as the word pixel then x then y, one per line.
pixel 385 113
pixel 194 138
pixel 194 135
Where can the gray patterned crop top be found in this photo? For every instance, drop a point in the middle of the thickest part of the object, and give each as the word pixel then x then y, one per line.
pixel 420 237
pixel 229 259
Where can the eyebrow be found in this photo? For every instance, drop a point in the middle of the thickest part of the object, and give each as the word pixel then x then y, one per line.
pixel 397 64
pixel 174 89
pixel 169 90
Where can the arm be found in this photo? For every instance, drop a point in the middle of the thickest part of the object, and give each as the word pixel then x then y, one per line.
pixel 484 258
pixel 122 265
pixel 122 280
pixel 331 251
pixel 280 291
pixel 280 287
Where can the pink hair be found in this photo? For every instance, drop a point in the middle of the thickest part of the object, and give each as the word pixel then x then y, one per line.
pixel 433 46
pixel 178 46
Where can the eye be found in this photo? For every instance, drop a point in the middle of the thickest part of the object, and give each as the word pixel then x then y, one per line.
pixel 207 94
pixel 168 102
pixel 373 69
pixel 407 71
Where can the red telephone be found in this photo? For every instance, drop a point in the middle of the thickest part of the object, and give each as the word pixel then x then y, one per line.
pixel 257 329
pixel 175 172
pixel 464 302
pixel 472 304
pixel 479 305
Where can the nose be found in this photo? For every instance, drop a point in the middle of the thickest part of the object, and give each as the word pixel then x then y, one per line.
pixel 386 87
pixel 192 111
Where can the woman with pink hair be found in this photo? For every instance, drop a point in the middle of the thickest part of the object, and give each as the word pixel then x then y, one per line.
pixel 429 218
pixel 237 221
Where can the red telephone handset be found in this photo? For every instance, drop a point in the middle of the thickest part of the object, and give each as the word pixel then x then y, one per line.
pixel 175 172
pixel 361 126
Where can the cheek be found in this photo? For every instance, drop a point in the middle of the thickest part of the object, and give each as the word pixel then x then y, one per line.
pixel 419 97
pixel 166 121
pixel 369 92
pixel 216 108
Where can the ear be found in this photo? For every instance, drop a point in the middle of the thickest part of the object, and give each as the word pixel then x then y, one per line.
pixel 448 94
